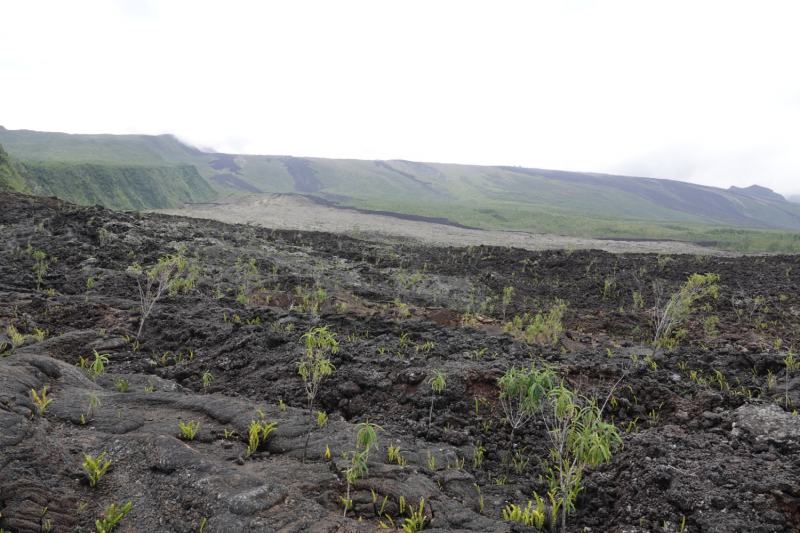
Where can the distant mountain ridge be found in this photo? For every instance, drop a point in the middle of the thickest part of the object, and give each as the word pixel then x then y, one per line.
pixel 489 197
pixel 757 190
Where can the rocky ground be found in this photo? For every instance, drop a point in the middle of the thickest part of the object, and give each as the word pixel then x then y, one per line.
pixel 709 441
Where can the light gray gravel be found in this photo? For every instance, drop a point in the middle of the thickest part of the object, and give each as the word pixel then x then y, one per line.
pixel 288 211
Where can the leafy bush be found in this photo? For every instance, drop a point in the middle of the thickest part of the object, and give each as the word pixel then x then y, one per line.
pixel 521 394
pixel 677 309
pixel 542 328
pixel 578 438
pixel 316 366
pixel 162 277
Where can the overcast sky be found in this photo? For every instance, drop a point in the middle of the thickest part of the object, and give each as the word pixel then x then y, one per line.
pixel 707 92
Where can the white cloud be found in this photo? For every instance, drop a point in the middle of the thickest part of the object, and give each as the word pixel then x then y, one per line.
pixel 700 91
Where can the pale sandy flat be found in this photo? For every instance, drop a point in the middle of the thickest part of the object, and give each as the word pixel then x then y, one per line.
pixel 287 211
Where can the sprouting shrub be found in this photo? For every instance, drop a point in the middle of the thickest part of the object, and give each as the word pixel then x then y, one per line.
pixel 366 437
pixel 395 457
pixel 121 384
pixel 316 366
pixel 358 468
pixel 163 277
pixel 578 438
pixel 416 519
pixel 521 395
pixel 542 328
pixel 95 468
pixel 258 432
pixel 111 516
pixel 677 309
pixel 40 267
pixel 438 384
pixel 39 335
pixel 207 379
pixel 541 516
pixel 17 339
pixel 710 326
pixel 40 402
pixel 189 430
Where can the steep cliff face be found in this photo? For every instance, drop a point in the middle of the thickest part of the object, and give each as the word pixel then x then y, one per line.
pixel 118 186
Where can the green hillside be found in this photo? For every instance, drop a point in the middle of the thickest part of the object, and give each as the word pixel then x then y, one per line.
pixel 9 178
pixel 117 186
pixel 500 198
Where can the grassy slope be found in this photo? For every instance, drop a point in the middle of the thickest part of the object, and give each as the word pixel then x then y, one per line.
pixel 489 197
pixel 9 177
pixel 496 198
pixel 148 150
pixel 118 186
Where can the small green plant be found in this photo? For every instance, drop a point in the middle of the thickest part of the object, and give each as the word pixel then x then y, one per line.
pixel 258 432
pixel 98 366
pixel 282 405
pixel 477 455
pixel 438 384
pixel 521 393
pixel 17 339
pixel 358 468
pixel 189 430
pixel 322 418
pixel 543 328
pixel 540 516
pixel 316 366
pixel 710 327
pixel 121 384
pixel 164 276
pixel 508 297
pixel 395 457
pixel 40 402
pixel 366 437
pixel 416 519
pixel 148 387
pixel 95 468
pixel 40 267
pixel 207 379
pixel 578 438
pixel 677 309
pixel 520 462
pixel 112 515
pixel 431 462
pixel 39 335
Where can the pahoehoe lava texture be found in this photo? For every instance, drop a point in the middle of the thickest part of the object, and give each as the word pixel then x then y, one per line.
pixel 719 453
